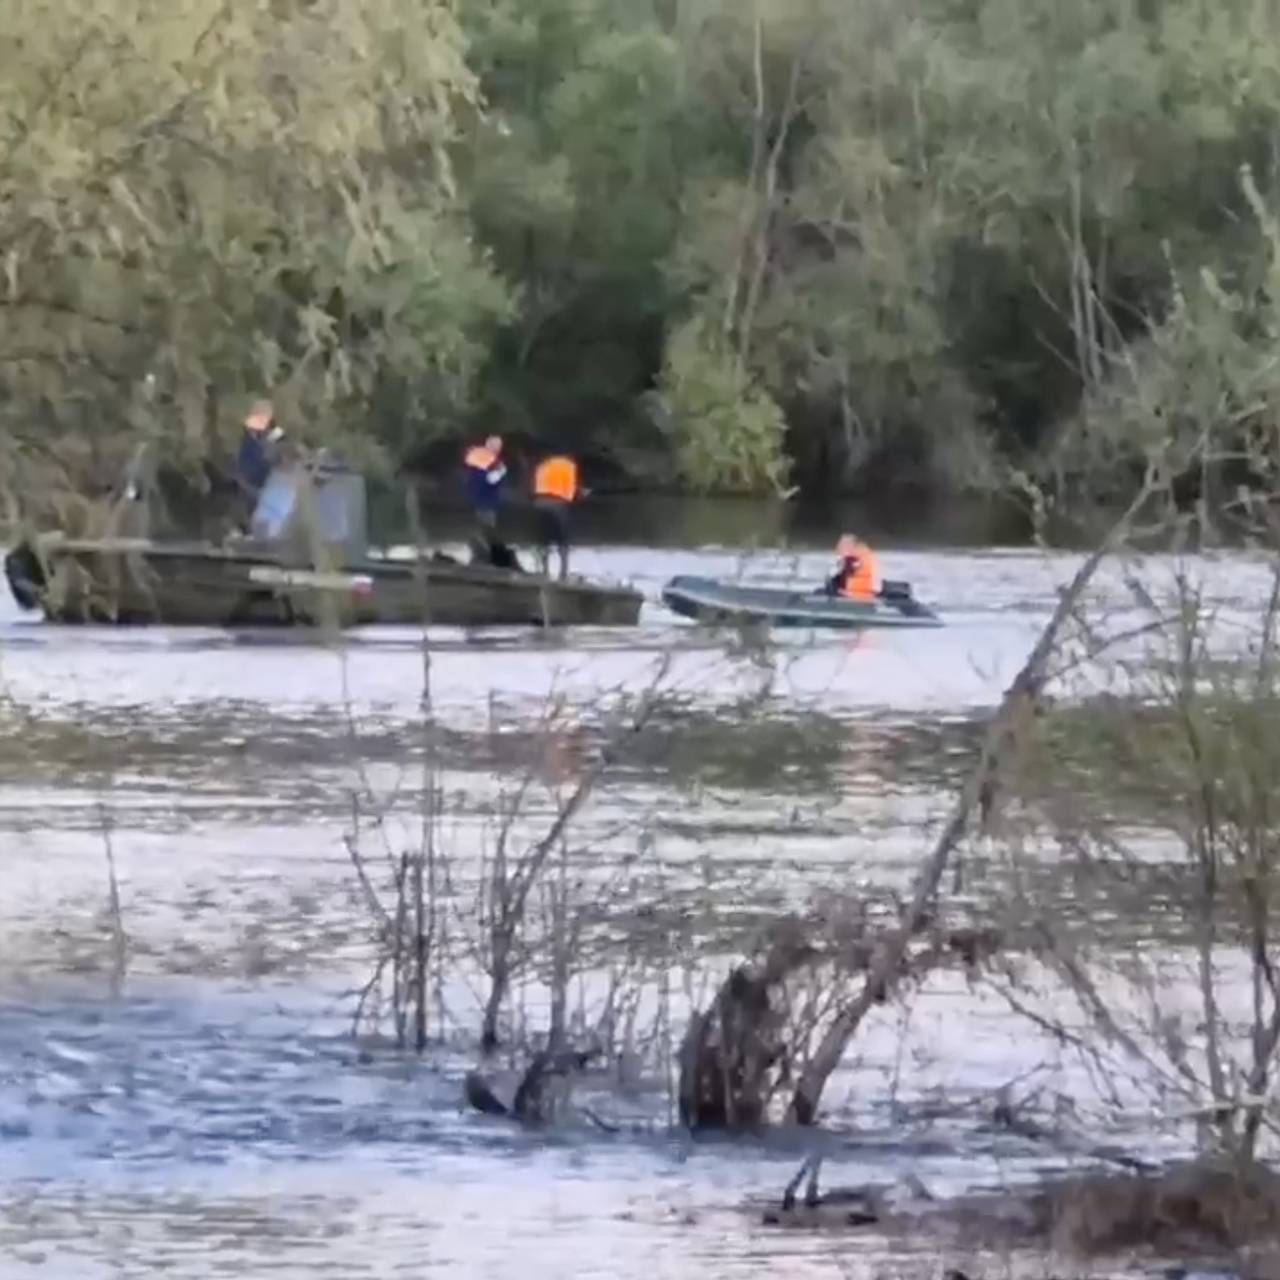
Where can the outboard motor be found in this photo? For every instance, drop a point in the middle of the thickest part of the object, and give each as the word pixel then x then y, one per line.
pixel 900 595
pixel 26 576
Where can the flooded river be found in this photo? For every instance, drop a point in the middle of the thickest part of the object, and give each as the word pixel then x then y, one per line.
pixel 209 1112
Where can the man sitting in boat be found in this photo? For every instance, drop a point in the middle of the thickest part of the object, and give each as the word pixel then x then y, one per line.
pixel 858 576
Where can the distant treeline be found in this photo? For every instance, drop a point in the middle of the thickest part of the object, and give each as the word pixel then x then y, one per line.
pixel 720 245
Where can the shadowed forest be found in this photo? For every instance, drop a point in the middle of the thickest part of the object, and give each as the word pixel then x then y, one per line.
pixel 715 246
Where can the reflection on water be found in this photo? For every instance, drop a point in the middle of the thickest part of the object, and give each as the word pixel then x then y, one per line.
pixel 217 1119
pixel 202 1131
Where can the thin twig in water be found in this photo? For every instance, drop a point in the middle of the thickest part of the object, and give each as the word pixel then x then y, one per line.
pixel 119 942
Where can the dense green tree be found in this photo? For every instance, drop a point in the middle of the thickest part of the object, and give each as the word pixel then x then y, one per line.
pixel 202 202
pixel 574 175
pixel 727 244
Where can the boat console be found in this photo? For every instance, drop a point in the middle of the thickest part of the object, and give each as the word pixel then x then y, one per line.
pixel 305 507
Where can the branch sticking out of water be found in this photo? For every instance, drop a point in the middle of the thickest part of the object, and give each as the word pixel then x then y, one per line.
pixel 979 792
pixel 119 941
pixel 512 895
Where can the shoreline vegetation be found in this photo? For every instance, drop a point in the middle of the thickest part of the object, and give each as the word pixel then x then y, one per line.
pixel 1003 247
pixel 989 247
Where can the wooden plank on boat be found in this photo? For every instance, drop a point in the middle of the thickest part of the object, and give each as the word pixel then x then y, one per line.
pixel 273 576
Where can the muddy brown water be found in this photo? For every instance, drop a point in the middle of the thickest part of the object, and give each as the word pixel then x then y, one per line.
pixel 213 1115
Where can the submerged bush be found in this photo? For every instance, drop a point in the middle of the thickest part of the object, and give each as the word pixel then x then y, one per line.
pixel 727 433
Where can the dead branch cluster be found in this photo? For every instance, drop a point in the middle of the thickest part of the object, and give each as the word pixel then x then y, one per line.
pixel 525 912
pixel 1191 1209
pixel 747 1047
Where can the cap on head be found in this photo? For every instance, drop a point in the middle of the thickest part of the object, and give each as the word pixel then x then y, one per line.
pixel 493 444
pixel 847 546
pixel 260 416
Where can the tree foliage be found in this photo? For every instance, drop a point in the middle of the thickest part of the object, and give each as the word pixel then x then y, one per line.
pixel 933 241
pixel 202 201
pixel 726 433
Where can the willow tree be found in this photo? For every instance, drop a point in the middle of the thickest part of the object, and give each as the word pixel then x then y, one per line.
pixel 202 201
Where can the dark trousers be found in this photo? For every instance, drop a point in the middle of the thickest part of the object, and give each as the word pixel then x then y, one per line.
pixel 551 516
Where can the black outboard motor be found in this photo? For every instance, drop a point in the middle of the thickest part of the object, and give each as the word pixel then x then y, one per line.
pixel 900 595
pixel 25 573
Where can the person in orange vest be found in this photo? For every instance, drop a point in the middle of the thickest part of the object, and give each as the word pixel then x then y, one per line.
pixel 858 575
pixel 556 488
pixel 485 472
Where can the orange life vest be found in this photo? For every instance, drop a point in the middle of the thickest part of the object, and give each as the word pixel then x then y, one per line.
pixel 864 582
pixel 480 458
pixel 556 478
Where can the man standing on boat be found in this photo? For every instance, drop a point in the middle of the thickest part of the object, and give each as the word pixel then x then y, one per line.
pixel 555 489
pixel 253 461
pixel 254 458
pixel 485 472
pixel 858 575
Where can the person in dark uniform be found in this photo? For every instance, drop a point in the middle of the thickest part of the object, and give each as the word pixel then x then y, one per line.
pixel 485 473
pixel 254 460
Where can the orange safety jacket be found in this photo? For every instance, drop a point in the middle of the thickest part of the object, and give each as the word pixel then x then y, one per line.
pixel 480 458
pixel 863 582
pixel 556 477
pixel 485 472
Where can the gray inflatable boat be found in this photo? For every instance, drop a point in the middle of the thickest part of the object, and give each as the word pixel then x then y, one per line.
pixel 709 601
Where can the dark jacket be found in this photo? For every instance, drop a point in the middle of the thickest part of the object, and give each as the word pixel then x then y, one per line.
pixel 253 464
pixel 485 473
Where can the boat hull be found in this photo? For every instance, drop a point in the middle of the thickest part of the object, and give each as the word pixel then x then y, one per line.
pixel 139 582
pixel 708 601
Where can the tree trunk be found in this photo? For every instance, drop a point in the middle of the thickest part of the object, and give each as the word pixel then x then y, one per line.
pixel 764 219
pixel 729 322
pixel 499 982
pixel 556 1029
pixel 729 1052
